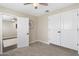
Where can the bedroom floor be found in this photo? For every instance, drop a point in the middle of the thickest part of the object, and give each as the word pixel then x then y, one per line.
pixel 41 49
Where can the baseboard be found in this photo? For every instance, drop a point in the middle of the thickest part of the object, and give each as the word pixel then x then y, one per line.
pixel 44 42
pixel 39 41
pixel 33 42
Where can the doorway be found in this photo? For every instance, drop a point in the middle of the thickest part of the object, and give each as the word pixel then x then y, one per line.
pixel 9 32
pixel 15 32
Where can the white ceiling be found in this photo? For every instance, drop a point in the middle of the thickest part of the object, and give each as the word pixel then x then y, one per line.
pixel 28 9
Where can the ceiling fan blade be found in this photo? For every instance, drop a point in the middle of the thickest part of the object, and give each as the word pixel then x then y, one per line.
pixel 27 3
pixel 45 4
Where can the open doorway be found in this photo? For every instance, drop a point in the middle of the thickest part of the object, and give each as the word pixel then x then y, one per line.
pixel 9 32
pixel 15 32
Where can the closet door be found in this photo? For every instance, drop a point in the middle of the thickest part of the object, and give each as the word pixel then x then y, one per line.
pixel 69 30
pixel 22 32
pixel 54 29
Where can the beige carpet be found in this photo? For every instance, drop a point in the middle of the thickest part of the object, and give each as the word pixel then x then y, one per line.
pixel 41 49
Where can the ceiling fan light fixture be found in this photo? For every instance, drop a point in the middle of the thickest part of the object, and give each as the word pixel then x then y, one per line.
pixel 35 5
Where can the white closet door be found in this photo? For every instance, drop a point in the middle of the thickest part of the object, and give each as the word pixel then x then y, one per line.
pixel 69 31
pixel 54 29
pixel 22 32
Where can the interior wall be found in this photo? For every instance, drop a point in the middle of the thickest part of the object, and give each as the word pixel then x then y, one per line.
pixel 9 29
pixel 42 29
pixel 33 29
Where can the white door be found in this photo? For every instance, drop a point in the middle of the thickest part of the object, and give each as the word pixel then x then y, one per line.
pixel 69 30
pixel 22 32
pixel 62 29
pixel 54 29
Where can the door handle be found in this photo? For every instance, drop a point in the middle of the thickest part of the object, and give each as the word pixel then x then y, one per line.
pixel 27 33
pixel 59 32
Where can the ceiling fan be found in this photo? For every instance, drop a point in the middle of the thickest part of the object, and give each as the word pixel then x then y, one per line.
pixel 36 4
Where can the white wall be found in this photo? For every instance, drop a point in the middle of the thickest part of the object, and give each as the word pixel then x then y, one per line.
pixel 42 29
pixel 33 29
pixel 9 29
